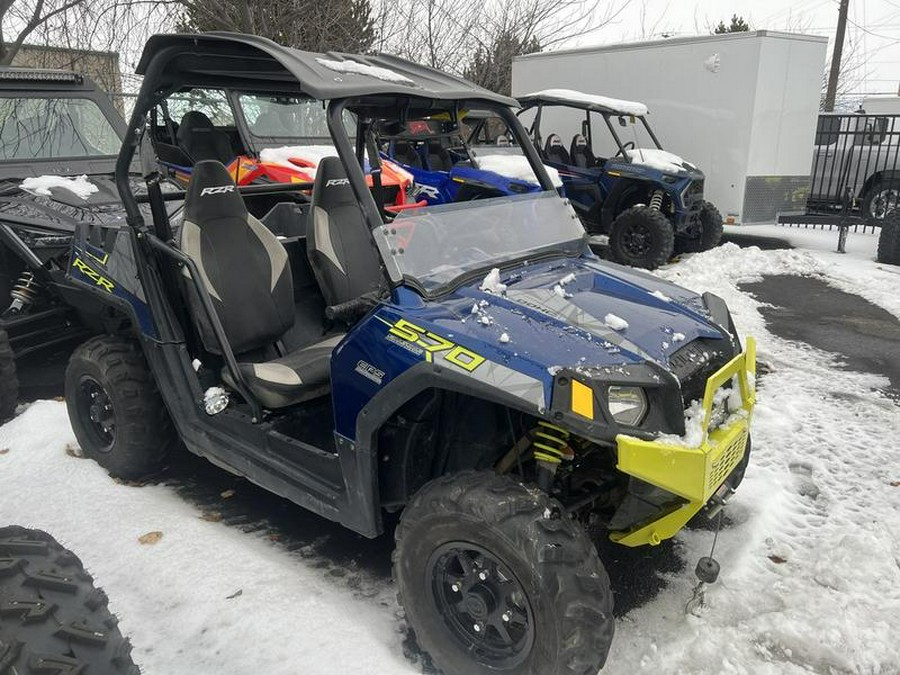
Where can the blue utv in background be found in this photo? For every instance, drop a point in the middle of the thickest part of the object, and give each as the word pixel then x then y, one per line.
pixel 649 201
pixel 445 169
pixel 472 365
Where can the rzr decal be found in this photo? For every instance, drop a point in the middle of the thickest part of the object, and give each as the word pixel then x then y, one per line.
pixel 337 181
pixel 93 275
pixel 216 190
pixel 428 191
pixel 432 344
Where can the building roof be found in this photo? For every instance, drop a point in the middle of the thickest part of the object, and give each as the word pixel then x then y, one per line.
pixel 237 60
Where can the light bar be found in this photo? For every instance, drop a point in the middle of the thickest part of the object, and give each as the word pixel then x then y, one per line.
pixel 36 75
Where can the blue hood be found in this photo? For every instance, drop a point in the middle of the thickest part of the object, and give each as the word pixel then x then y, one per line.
pixel 573 312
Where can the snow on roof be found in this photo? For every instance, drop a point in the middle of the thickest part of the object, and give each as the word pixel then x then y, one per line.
pixel 351 66
pixel 658 159
pixel 580 99
pixel 41 185
pixel 515 166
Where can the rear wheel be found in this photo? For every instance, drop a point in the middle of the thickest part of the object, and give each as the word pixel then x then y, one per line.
pixel 9 383
pixel 53 619
pixel 881 198
pixel 641 237
pixel 494 579
pixel 711 232
pixel 115 409
pixel 889 239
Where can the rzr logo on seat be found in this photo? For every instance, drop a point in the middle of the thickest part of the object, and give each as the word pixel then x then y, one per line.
pixel 216 190
pixel 337 181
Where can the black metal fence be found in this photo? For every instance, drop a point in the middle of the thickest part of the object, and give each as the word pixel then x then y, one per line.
pixel 855 177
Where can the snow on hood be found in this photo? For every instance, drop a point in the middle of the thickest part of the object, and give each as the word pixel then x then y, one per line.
pixel 615 105
pixel 350 66
pixel 659 159
pixel 515 166
pixel 41 185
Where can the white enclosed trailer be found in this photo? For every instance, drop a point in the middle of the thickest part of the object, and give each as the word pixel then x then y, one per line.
pixel 742 107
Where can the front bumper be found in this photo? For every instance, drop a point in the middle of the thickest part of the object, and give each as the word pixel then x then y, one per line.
pixel 692 474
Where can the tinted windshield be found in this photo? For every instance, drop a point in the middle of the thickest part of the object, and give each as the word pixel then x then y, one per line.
pixel 289 117
pixel 437 245
pixel 44 128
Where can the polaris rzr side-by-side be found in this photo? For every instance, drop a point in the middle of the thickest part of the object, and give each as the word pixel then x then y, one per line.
pixel 59 137
pixel 472 365
pixel 268 137
pixel 445 168
pixel 649 201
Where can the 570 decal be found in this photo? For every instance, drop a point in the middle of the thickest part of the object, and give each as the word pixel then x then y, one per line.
pixel 433 344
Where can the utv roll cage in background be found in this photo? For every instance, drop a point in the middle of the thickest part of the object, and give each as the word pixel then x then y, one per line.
pixel 541 100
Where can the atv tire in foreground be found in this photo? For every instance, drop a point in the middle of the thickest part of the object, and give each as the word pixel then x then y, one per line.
pixel 117 414
pixel 494 578
pixel 710 234
pixel 9 384
pixel 889 239
pixel 641 237
pixel 52 618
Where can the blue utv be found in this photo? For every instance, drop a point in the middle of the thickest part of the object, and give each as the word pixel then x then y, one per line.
pixel 471 365
pixel 649 201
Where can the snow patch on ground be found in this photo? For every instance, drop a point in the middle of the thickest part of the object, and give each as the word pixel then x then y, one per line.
pixel 351 66
pixel 80 186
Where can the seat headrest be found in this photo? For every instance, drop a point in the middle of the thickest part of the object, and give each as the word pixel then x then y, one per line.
pixel 579 141
pixel 212 194
pixel 554 141
pixel 193 120
pixel 332 186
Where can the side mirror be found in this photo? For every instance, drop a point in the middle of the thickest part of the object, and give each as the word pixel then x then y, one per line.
pixel 622 122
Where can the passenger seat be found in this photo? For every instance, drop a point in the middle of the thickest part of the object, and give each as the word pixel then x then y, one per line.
pixel 555 152
pixel 201 140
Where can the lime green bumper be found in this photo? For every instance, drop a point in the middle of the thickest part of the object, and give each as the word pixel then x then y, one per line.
pixel 694 474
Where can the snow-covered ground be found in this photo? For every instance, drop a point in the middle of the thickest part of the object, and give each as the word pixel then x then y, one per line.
pixel 810 578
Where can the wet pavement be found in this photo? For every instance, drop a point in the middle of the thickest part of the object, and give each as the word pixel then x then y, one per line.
pixel 806 309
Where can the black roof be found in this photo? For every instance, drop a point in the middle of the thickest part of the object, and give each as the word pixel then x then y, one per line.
pixel 237 60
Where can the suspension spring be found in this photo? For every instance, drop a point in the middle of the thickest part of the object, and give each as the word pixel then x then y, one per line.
pixel 551 443
pixel 24 292
pixel 656 200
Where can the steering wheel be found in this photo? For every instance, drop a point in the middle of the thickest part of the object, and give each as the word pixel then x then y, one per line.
pixel 628 145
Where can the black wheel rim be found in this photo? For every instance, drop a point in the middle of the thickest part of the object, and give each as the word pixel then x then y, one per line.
pixel 96 412
pixel 637 240
pixel 883 202
pixel 482 603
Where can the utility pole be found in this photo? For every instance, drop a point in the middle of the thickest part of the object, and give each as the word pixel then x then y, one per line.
pixel 836 56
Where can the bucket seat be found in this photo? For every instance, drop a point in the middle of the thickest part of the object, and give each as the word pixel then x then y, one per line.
pixel 581 153
pixel 245 270
pixel 555 152
pixel 406 154
pixel 438 157
pixel 201 140
pixel 339 244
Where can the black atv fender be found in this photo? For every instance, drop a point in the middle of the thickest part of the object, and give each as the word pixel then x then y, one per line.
pixel 612 205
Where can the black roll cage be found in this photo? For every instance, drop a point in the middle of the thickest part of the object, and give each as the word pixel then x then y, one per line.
pixel 158 238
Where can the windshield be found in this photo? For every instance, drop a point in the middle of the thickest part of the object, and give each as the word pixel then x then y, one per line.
pixel 288 117
pixel 437 245
pixel 46 128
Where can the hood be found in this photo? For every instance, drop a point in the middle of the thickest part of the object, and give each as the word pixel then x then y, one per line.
pixel 571 313
pixel 62 210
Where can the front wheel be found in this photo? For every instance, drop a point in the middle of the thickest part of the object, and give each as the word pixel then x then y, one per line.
pixel 115 409
pixel 889 239
pixel 641 237
pixel 495 578
pixel 711 231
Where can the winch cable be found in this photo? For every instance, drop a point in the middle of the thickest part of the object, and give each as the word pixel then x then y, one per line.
pixel 707 571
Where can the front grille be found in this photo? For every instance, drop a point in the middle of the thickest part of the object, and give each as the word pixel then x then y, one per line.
pixel 725 464
pixel 694 363
pixel 693 195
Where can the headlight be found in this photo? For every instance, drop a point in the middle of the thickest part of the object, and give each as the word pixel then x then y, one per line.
pixel 628 405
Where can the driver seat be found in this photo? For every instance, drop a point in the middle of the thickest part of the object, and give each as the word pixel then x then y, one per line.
pixel 582 156
pixel 198 137
pixel 554 150
pixel 245 270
